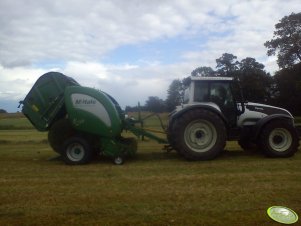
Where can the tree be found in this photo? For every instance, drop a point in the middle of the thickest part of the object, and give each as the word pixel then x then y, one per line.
pixel 174 95
pixel 155 104
pixel 203 72
pixel 227 65
pixel 3 111
pixel 287 89
pixel 286 41
pixel 255 82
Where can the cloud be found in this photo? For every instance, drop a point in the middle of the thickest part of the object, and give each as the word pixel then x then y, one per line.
pixel 242 32
pixel 78 37
pixel 85 30
pixel 14 82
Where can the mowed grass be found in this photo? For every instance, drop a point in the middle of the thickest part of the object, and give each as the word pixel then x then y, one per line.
pixel 154 188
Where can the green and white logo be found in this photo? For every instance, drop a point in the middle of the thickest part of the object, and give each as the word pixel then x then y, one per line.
pixel 282 214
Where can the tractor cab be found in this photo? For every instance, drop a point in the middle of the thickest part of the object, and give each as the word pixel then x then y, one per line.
pixel 222 93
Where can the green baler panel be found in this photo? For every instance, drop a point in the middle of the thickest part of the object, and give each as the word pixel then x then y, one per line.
pixel 92 111
pixel 45 101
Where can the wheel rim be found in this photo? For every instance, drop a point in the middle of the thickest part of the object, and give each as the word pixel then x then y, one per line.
pixel 75 152
pixel 280 139
pixel 200 135
pixel 118 160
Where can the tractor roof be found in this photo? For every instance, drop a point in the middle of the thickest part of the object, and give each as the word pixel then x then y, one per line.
pixel 195 78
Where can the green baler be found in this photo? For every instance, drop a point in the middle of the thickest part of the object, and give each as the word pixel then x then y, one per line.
pixel 81 122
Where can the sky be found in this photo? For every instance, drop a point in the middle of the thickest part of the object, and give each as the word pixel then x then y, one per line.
pixel 130 49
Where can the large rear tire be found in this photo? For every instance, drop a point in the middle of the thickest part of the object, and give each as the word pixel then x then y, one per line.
pixel 171 137
pixel 279 139
pixel 199 135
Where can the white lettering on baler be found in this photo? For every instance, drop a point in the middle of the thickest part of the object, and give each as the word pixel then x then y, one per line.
pixel 91 105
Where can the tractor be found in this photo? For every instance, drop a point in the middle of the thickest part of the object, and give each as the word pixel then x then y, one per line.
pixel 83 122
pixel 214 111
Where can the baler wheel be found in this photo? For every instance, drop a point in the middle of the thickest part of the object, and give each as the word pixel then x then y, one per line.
pixel 77 151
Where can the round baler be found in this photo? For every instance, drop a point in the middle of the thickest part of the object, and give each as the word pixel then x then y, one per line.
pixel 81 121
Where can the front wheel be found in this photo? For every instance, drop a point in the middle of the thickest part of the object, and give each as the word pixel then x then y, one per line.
pixel 77 151
pixel 199 135
pixel 279 139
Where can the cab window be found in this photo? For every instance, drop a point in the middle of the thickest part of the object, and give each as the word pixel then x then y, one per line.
pixel 220 93
pixel 201 91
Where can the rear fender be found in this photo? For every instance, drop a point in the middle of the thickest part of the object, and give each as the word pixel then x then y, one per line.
pixel 178 114
pixel 264 121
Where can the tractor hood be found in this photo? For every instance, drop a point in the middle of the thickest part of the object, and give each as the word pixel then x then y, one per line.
pixel 255 112
pixel 266 109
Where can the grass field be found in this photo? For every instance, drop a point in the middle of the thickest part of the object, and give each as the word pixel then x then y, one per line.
pixel 154 188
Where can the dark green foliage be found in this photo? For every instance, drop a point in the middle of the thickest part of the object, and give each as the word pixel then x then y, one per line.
pixel 155 104
pixel 287 89
pixel 174 95
pixel 204 72
pixel 227 65
pixel 255 82
pixel 286 42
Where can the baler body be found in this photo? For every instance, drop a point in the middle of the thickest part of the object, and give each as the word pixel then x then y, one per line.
pixel 92 111
pixel 58 104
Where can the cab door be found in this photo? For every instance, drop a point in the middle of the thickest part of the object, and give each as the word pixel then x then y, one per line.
pixel 221 94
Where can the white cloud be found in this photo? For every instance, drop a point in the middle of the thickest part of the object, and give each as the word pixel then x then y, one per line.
pixel 15 82
pixel 75 36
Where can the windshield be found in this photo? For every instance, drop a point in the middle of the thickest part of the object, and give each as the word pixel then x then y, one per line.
pixel 201 92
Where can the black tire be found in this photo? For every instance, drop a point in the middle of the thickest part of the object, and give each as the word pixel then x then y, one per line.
pixel 171 137
pixel 59 132
pixel 279 139
pixel 244 140
pixel 199 135
pixel 246 144
pixel 77 151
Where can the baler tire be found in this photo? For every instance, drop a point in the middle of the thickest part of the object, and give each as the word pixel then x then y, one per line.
pixel 199 135
pixel 58 133
pixel 77 151
pixel 279 139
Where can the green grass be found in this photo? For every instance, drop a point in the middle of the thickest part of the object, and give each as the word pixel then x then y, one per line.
pixel 14 121
pixel 154 188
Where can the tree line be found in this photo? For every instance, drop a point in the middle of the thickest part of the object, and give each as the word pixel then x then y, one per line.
pixel 283 89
